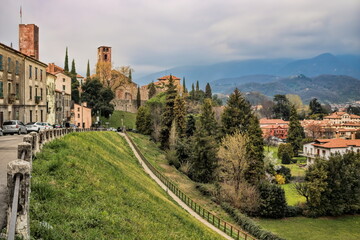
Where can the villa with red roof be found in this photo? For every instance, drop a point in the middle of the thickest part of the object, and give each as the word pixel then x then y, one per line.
pixel 323 148
pixel 274 127
pixel 342 117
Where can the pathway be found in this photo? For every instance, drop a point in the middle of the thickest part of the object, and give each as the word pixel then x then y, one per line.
pixel 171 194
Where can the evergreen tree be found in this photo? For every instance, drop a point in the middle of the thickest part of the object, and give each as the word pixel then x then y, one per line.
pixel 197 86
pixel 73 69
pixel 168 114
pixel 237 114
pixel 282 107
pixel 296 132
pixel 152 90
pixel 255 171
pixel 130 76
pixel 66 64
pixel 208 93
pixel 192 93
pixel 204 158
pixel 138 98
pixel 315 107
pixel 184 86
pixel 88 69
pixel 143 120
pixel 180 115
pixel 190 125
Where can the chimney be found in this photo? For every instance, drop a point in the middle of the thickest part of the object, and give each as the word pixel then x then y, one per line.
pixel 29 40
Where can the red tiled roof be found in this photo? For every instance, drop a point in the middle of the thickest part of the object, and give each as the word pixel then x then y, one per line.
pixel 336 143
pixel 79 76
pixel 168 77
pixel 339 114
pixel 275 126
pixel 273 121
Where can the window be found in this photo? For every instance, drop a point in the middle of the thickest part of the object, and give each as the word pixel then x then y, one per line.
pixel 36 73
pixel 41 116
pixel 78 115
pixel 9 65
pixel 63 79
pixel 41 74
pixel 78 109
pixel 1 62
pixel 30 71
pixel 41 94
pixel 30 94
pixel 63 87
pixel 17 91
pixel 17 68
pixel 9 88
pixel 1 90
pixel 36 92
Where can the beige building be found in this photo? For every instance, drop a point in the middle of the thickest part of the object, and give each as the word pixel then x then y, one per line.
pixel 62 94
pixel 22 86
pixel 81 115
pixel 342 117
pixel 50 97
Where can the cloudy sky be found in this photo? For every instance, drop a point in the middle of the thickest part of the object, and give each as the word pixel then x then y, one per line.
pixel 153 35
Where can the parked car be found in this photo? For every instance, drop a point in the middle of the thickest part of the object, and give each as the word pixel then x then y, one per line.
pixel 14 126
pixel 112 129
pixel 47 125
pixel 34 126
pixel 1 132
pixel 58 126
pixel 73 126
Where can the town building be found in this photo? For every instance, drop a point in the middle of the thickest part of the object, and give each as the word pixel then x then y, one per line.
pixel 62 94
pixel 50 98
pixel 274 128
pixel 81 115
pixel 342 117
pixel 324 148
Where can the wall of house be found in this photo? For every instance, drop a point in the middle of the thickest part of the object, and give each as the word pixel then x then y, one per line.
pixel 50 97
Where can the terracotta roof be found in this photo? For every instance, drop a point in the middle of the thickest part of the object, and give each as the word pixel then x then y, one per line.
pixel 168 77
pixel 79 76
pixel 336 143
pixel 275 126
pixel 273 121
pixel 339 114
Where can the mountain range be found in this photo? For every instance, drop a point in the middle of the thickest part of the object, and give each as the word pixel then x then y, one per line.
pixel 260 70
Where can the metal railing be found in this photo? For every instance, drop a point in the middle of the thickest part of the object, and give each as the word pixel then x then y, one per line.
pixel 224 226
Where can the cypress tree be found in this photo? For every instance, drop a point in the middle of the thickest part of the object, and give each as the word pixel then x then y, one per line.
pixel 130 76
pixel 197 86
pixel 88 69
pixel 192 93
pixel 152 90
pixel 66 64
pixel 73 69
pixel 208 93
pixel 207 119
pixel 168 114
pixel 138 98
pixel 237 114
pixel 180 115
pixel 184 86
pixel 143 120
pixel 190 125
pixel 296 132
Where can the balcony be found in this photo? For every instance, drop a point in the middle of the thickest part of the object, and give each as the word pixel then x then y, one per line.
pixel 12 98
pixel 37 99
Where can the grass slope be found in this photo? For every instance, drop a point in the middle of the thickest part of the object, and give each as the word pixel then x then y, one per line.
pixel 90 186
pixel 115 119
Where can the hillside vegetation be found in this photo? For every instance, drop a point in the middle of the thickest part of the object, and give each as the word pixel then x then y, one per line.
pixel 90 186
pixel 115 119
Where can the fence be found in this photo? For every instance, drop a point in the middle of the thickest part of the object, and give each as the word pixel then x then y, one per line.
pixel 224 226
pixel 18 179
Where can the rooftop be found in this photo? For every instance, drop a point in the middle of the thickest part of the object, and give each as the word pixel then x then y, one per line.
pixel 336 143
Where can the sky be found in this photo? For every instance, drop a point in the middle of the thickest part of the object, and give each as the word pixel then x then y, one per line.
pixel 155 35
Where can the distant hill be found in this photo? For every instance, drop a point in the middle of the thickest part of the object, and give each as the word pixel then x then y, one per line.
pixel 326 88
pixel 236 70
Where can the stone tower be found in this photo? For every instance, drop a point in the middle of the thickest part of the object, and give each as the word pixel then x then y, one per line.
pixel 104 54
pixel 29 40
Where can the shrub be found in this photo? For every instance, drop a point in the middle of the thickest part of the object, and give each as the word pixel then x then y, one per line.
pixel 285 172
pixel 249 225
pixel 172 158
pixel 279 179
pixel 272 201
pixel 293 211
pixel 285 149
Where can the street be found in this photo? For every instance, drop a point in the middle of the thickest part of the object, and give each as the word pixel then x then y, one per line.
pixel 8 153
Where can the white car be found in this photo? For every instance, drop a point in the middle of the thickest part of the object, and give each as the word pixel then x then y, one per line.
pixel 34 126
pixel 14 126
pixel 47 125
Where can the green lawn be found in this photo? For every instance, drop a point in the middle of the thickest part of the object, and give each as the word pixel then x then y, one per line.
pixel 115 119
pixel 292 197
pixel 300 228
pixel 90 186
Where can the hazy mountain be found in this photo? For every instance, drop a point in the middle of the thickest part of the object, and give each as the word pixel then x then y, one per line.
pixel 236 70
pixel 326 88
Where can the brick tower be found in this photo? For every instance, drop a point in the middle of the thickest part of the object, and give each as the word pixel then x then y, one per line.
pixel 104 54
pixel 29 40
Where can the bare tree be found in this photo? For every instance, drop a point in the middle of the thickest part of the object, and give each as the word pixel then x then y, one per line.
pixel 232 154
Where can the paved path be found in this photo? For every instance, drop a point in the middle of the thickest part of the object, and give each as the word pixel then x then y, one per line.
pixel 8 153
pixel 171 194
